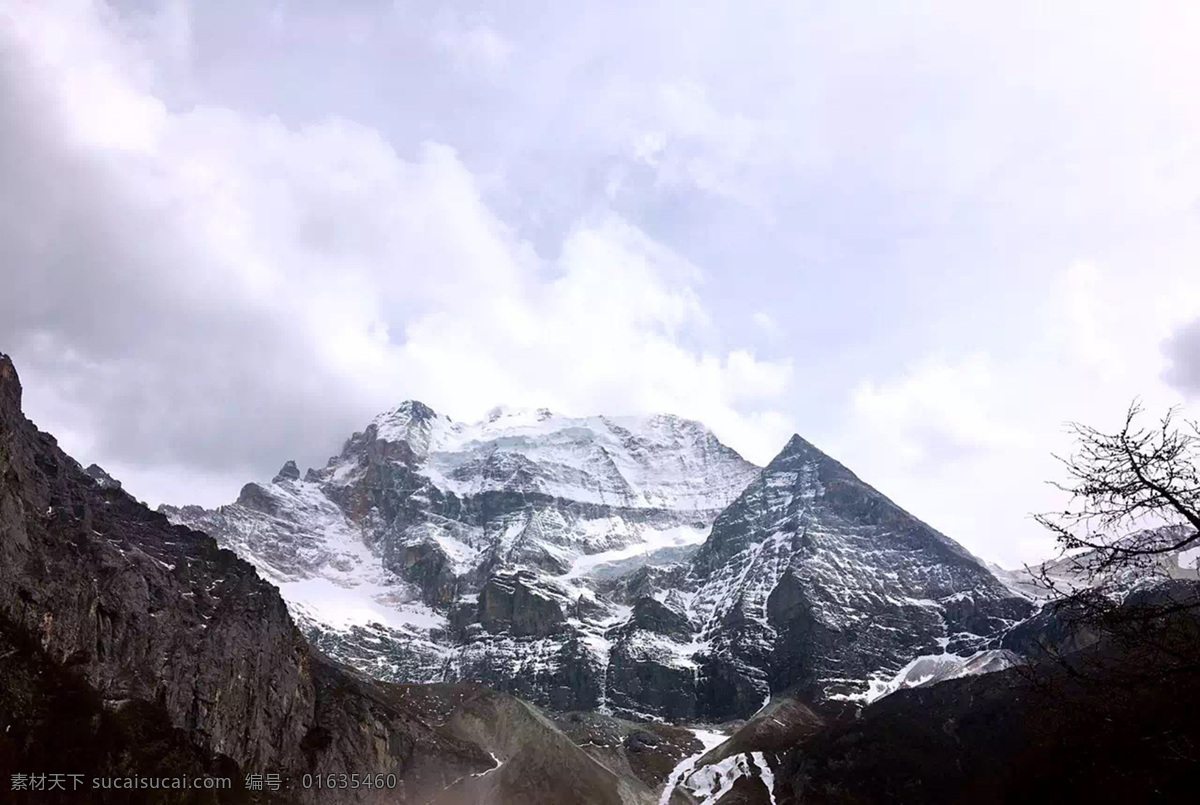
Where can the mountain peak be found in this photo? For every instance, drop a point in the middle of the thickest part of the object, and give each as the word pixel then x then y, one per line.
pixel 414 409
pixel 801 452
pixel 799 446
pixel 288 472
pixel 102 478
pixel 411 421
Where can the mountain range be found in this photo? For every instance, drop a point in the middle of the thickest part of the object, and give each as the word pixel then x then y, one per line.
pixel 632 565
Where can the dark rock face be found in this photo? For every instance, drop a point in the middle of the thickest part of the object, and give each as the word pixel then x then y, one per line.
pixel 513 603
pixel 1057 627
pixel 654 616
pixel 732 681
pixel 102 478
pixel 813 581
pixel 1112 734
pixel 639 684
pixel 560 673
pixel 429 568
pixel 256 498
pixel 145 610
pixel 288 472
pixel 51 719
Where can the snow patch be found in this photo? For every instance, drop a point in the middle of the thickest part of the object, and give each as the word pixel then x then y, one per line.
pixel 710 783
pixel 651 540
pixel 929 669
pixel 709 739
pixel 1190 559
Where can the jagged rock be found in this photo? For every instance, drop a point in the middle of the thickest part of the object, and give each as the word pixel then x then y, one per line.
pixel 288 472
pixel 588 608
pixel 653 615
pixel 642 683
pixel 256 498
pixel 430 569
pixel 513 603
pixel 475 546
pixel 102 478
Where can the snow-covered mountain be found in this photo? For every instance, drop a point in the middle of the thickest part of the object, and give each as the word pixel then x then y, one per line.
pixel 814 582
pixel 431 549
pixel 634 565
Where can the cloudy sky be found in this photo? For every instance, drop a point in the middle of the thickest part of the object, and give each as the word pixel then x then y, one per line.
pixel 923 235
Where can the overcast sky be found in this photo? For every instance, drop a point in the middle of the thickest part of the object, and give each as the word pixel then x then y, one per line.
pixel 922 235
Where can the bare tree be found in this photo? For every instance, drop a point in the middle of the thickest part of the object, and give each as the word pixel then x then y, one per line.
pixel 1119 639
pixel 1134 504
pixel 1135 494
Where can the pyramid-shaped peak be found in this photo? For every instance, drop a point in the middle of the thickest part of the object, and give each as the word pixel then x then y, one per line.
pixel 799 450
pixel 411 421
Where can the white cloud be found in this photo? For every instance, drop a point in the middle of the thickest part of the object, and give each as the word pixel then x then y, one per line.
pixel 967 442
pixel 973 224
pixel 225 290
pixel 939 411
pixel 473 44
pixel 766 322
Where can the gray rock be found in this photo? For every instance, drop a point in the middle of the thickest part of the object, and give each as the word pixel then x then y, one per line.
pixel 102 478
pixel 288 472
pixel 514 603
